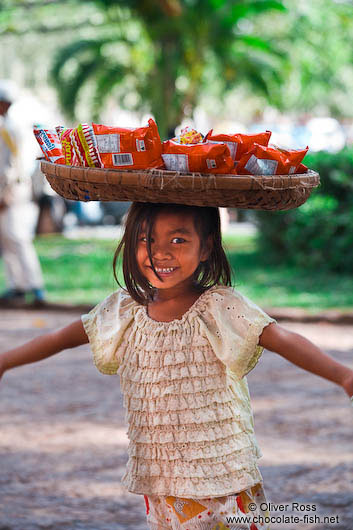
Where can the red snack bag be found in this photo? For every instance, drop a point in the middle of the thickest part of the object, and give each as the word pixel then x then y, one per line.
pixel 239 144
pixel 199 158
pixel 68 149
pixel 138 148
pixel 262 160
pixel 50 145
pixel 84 142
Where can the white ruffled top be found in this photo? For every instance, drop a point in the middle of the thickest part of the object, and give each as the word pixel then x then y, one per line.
pixel 190 422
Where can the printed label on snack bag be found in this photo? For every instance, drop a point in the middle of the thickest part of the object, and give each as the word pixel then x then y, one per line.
pixel 261 166
pixel 211 164
pixel 232 146
pixel 108 143
pixel 122 159
pixel 292 170
pixel 175 162
pixel 140 145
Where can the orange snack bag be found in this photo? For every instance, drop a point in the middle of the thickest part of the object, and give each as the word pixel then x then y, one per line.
pixel 239 144
pixel 50 145
pixel 262 160
pixel 138 148
pixel 199 158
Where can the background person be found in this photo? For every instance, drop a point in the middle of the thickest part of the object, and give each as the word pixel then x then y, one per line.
pixel 23 273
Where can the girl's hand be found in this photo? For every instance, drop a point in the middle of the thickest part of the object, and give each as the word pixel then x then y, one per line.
pixel 2 367
pixel 347 385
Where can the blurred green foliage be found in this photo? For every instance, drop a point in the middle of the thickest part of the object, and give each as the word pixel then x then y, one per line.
pixel 319 234
pixel 80 271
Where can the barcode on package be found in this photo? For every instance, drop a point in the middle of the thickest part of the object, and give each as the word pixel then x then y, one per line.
pixel 108 143
pixel 176 162
pixel 261 166
pixel 122 159
pixel 211 164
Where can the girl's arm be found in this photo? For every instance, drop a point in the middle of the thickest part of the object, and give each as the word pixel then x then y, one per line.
pixel 300 351
pixel 44 346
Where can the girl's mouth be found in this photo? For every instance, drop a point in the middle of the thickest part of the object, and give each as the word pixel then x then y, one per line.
pixel 165 271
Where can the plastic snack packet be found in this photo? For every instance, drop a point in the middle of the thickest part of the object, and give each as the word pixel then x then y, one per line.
pixel 84 142
pixel 188 135
pixel 67 147
pixel 262 160
pixel 239 144
pixel 50 145
pixel 139 148
pixel 200 158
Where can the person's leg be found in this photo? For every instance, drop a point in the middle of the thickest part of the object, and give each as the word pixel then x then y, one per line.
pixel 22 268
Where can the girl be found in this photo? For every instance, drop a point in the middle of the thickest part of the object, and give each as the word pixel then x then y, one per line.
pixel 182 341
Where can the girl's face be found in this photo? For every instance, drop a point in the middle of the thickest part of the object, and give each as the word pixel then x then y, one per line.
pixel 176 250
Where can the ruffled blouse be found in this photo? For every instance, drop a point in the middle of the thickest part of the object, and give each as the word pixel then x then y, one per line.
pixel 190 422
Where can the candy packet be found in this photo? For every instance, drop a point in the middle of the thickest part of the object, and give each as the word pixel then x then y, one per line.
pixel 84 142
pixel 262 160
pixel 188 135
pixel 67 147
pixel 239 143
pixel 199 158
pixel 124 148
pixel 50 144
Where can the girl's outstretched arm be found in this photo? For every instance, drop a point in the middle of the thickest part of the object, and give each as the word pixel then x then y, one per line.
pixel 302 352
pixel 44 346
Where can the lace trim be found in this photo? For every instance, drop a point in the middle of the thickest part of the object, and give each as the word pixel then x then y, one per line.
pixel 180 402
pixel 182 386
pixel 196 451
pixel 211 432
pixel 193 487
pixel 170 373
pixel 204 415
pixel 252 342
pixel 142 359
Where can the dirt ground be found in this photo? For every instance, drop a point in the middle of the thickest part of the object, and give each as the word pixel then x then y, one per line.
pixel 63 436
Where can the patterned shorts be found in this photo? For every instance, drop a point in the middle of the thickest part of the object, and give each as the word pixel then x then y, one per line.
pixel 217 513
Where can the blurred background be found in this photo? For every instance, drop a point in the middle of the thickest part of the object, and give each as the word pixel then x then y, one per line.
pixel 234 66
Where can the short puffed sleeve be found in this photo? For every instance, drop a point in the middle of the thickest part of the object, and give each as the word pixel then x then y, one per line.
pixel 233 325
pixel 105 326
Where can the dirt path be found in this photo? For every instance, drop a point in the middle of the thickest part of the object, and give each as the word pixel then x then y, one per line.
pixel 63 436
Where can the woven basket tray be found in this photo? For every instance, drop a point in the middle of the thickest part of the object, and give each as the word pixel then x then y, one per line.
pixel 260 192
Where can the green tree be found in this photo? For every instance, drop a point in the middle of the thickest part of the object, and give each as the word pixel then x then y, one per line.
pixel 159 56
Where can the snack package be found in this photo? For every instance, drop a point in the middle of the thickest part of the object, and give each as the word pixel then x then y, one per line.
pixel 50 145
pixel 262 160
pixel 84 142
pixel 239 144
pixel 67 147
pixel 188 135
pixel 199 158
pixel 139 148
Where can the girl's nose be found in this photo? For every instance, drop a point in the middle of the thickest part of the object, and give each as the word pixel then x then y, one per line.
pixel 160 251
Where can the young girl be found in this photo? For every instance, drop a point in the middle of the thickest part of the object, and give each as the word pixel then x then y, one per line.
pixel 182 341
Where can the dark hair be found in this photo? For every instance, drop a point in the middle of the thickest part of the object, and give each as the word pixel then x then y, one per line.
pixel 215 270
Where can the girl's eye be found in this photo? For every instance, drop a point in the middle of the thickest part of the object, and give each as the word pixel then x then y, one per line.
pixel 178 240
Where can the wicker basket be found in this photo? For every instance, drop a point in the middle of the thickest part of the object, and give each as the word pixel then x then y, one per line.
pixel 260 192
